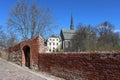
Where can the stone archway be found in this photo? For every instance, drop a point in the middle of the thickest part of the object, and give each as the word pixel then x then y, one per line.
pixel 26 50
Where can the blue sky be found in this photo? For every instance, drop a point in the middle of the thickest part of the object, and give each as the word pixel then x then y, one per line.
pixel 91 12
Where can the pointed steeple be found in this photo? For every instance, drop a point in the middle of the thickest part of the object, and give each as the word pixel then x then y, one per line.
pixel 72 23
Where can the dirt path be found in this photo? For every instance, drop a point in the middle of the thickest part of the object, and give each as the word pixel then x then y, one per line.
pixel 10 71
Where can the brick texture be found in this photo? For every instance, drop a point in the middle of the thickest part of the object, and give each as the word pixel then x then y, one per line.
pixel 68 65
pixel 82 66
pixel 16 54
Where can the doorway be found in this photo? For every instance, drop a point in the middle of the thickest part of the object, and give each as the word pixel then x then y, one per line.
pixel 26 50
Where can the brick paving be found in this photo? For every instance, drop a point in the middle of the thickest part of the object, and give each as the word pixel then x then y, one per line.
pixel 10 71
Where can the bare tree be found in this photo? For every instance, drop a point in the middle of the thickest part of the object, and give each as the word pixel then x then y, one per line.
pixel 2 35
pixel 85 39
pixel 107 40
pixel 103 38
pixel 7 39
pixel 30 20
pixel 12 39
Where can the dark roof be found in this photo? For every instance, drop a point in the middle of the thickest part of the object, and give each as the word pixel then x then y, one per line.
pixel 67 34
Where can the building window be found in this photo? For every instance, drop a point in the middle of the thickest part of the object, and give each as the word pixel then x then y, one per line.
pixel 49 43
pixel 53 49
pixel 50 50
pixel 56 43
pixel 53 43
pixel 53 39
pixel 68 44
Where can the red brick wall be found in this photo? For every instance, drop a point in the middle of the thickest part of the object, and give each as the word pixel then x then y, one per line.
pixel 36 45
pixel 85 66
pixel 16 53
pixel 13 48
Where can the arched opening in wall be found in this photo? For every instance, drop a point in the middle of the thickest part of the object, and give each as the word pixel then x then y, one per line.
pixel 26 50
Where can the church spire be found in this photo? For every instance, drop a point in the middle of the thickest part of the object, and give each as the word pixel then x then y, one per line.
pixel 72 24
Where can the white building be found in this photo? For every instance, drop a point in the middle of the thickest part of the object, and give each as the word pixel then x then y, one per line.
pixel 53 44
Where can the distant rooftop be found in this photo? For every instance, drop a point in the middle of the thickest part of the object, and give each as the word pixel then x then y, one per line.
pixel 67 34
pixel 55 36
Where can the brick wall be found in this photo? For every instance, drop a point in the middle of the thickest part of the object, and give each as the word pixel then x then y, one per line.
pixel 12 54
pixel 82 66
pixel 16 53
pixel 15 56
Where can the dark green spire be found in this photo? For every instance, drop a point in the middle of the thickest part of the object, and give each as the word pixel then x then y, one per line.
pixel 72 24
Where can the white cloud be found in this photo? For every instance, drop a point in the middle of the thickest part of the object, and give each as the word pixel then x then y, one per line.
pixel 116 30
